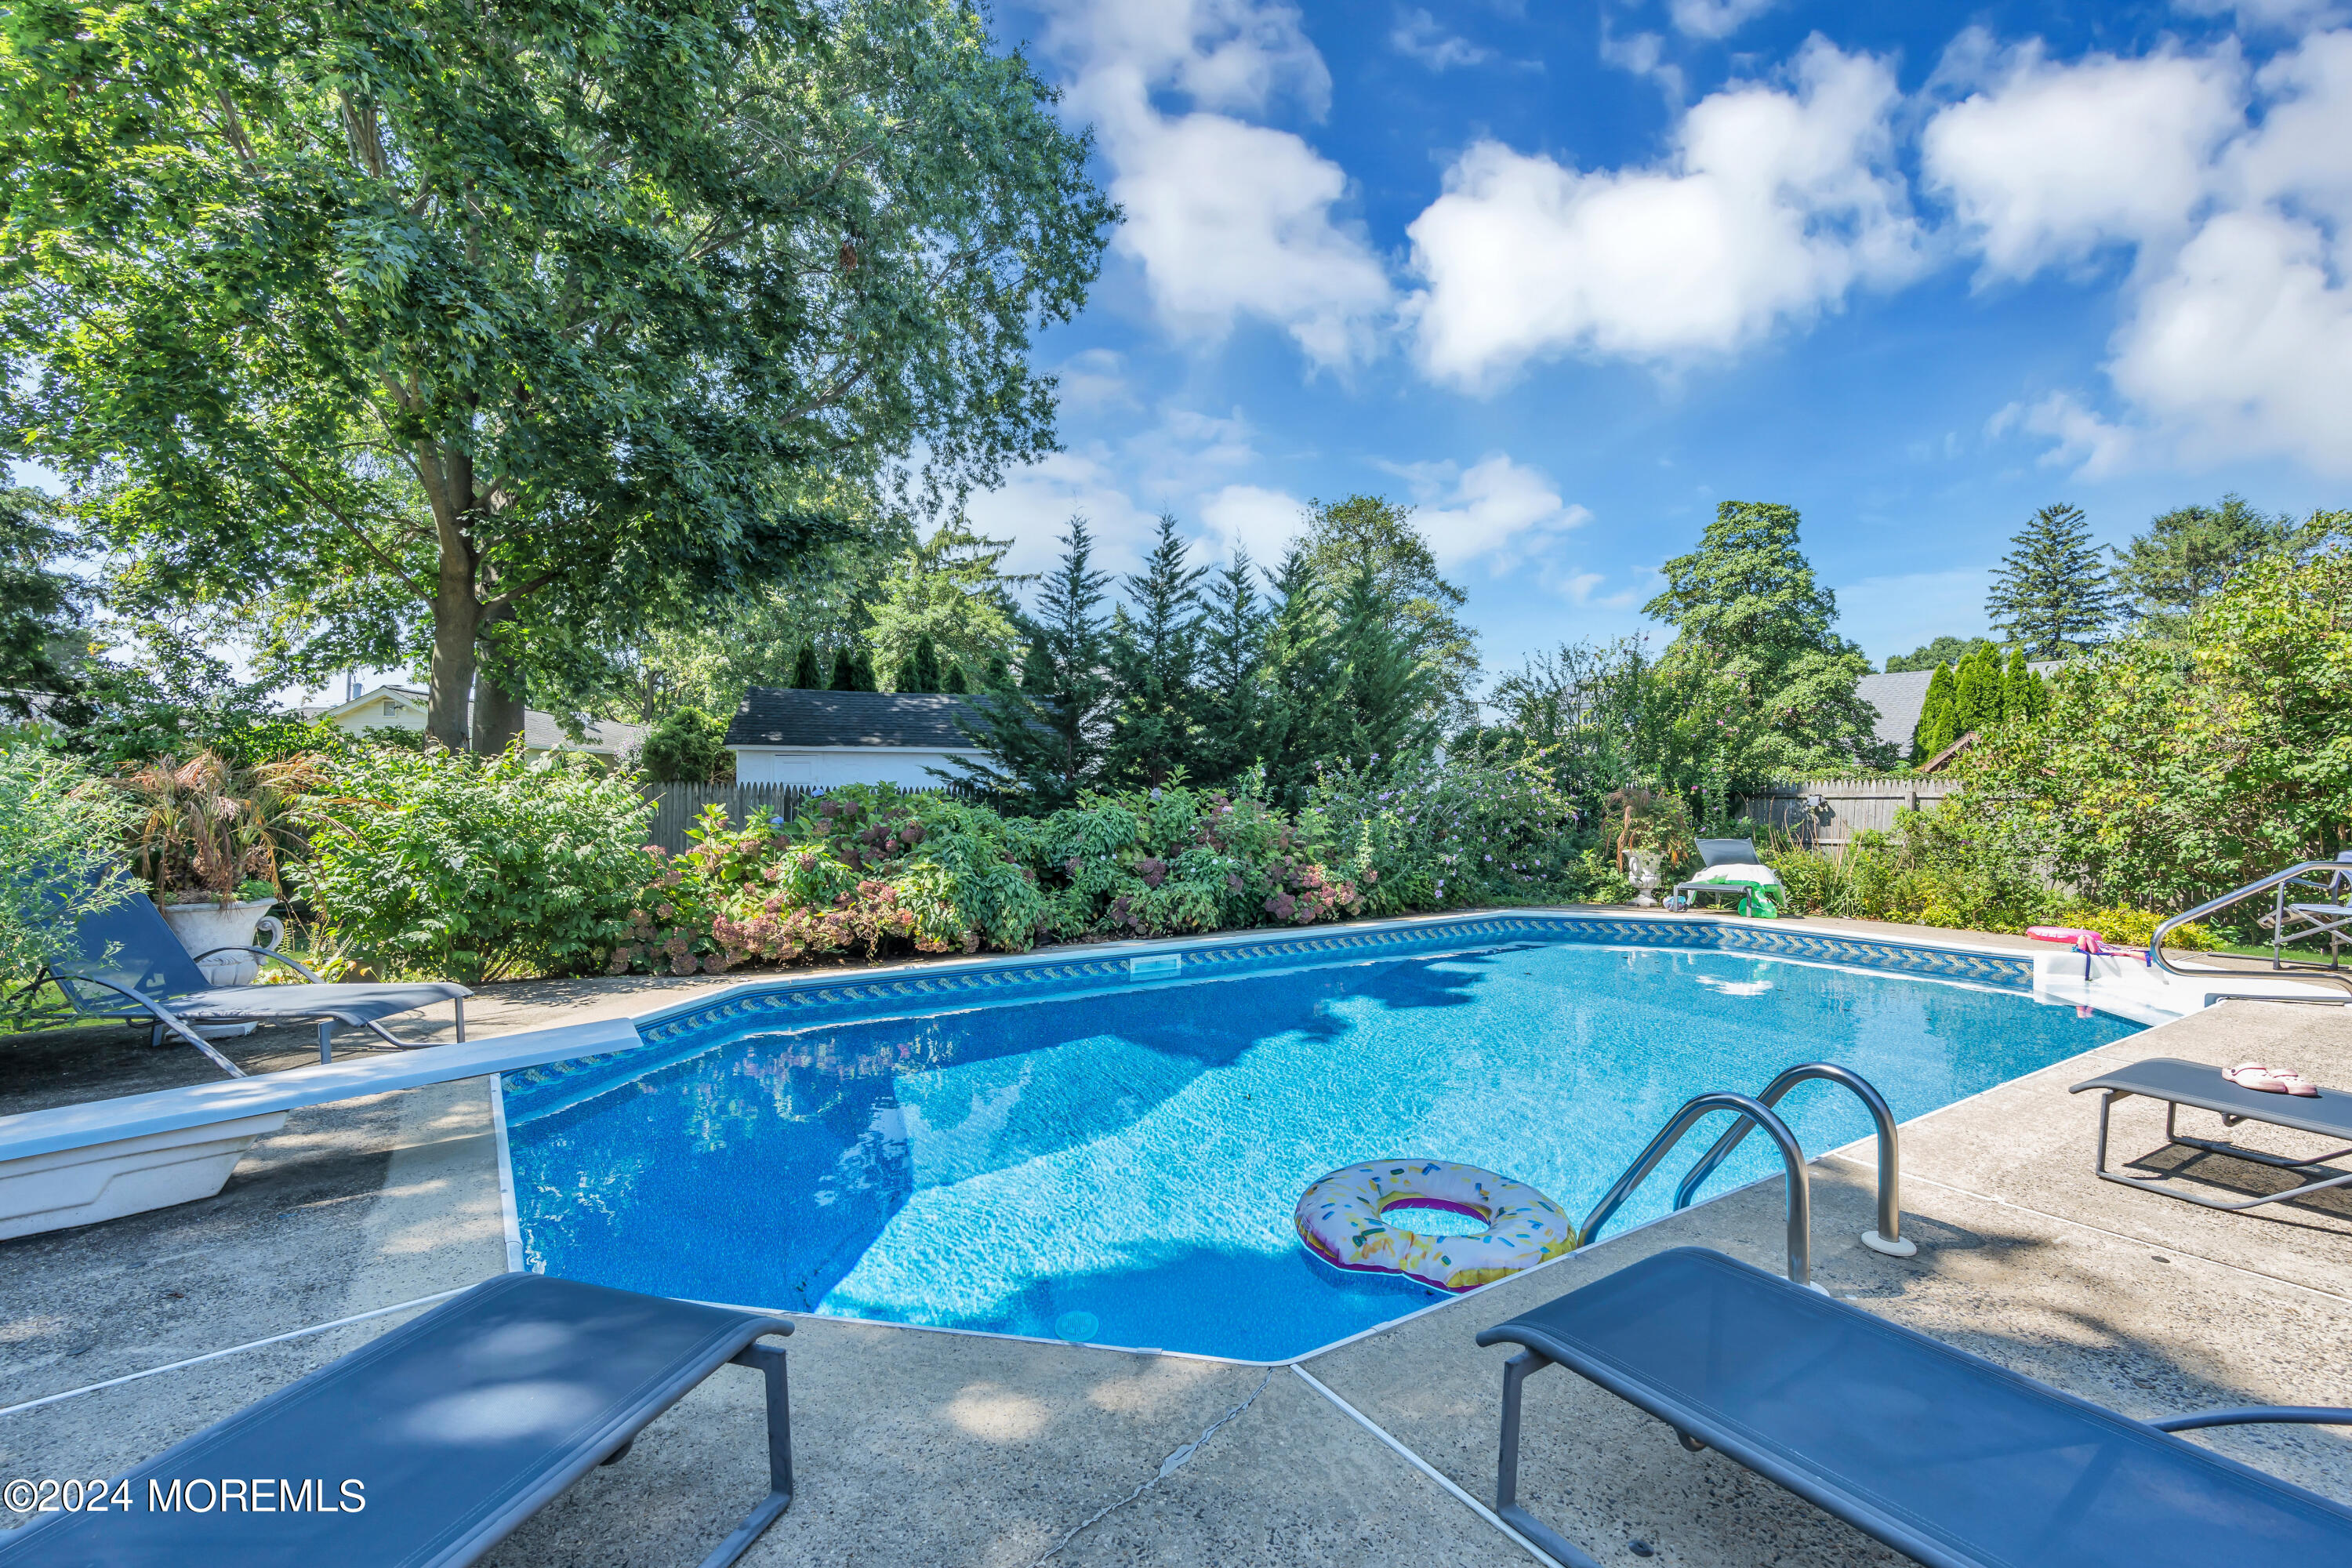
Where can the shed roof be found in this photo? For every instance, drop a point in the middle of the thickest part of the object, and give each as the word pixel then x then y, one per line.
pixel 787 716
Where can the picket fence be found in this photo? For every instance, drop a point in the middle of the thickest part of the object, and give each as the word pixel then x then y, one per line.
pixel 677 807
pixel 1848 806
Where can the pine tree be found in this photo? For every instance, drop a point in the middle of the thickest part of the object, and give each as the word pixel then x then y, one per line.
pixel 1938 726
pixel 955 682
pixel 2189 553
pixel 865 677
pixel 1152 654
pixel 926 664
pixel 1044 739
pixel 845 670
pixel 1977 693
pixel 2024 698
pixel 1300 680
pixel 909 677
pixel 807 676
pixel 1385 693
pixel 1231 671
pixel 2052 596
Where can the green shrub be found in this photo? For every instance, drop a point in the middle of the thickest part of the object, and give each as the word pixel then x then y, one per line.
pixel 2137 927
pixel 689 746
pixel 467 868
pixel 61 834
pixel 1477 828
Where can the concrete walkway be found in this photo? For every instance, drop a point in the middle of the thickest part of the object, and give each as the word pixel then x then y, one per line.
pixel 921 1447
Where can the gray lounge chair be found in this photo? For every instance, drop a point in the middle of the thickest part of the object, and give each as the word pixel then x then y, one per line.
pixel 2195 1084
pixel 1945 1456
pixel 1720 852
pixel 131 966
pixel 429 1445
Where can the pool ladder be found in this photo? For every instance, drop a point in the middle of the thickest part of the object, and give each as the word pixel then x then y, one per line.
pixel 1754 1112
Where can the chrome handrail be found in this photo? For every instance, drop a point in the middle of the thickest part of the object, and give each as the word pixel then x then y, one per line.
pixel 1800 1195
pixel 2337 872
pixel 1888 1236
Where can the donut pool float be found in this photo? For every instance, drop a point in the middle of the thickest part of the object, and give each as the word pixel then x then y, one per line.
pixel 1339 1220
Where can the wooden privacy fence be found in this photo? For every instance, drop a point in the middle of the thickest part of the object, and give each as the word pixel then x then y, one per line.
pixel 1847 806
pixel 676 807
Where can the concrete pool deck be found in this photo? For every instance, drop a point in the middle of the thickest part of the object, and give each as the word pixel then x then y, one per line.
pixel 919 1447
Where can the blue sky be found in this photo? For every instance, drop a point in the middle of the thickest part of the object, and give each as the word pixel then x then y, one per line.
pixel 1567 275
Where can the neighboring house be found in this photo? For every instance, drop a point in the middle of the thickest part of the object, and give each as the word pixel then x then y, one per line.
pixel 403 708
pixel 1899 698
pixel 823 739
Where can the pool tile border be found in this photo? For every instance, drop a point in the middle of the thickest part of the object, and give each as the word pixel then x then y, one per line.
pixel 791 1003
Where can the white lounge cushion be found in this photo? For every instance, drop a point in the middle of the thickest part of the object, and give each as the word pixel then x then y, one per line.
pixel 1734 872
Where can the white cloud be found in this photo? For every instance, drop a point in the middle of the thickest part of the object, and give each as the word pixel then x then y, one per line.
pixel 1494 510
pixel 1773 204
pixel 1418 36
pixel 1642 54
pixel 2235 337
pixel 1225 218
pixel 1715 18
pixel 1094 379
pixel 2049 162
pixel 1251 517
pixel 1034 506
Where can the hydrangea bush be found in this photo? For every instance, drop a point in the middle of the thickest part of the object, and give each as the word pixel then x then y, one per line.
pixel 871 869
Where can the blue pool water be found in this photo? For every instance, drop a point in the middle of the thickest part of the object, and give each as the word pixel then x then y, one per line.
pixel 1120 1165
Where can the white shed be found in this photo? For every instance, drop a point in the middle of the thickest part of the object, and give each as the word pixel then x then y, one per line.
pixel 824 739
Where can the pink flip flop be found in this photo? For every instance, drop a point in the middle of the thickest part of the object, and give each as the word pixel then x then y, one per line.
pixel 2271 1080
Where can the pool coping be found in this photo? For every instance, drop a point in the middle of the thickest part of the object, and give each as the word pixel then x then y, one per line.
pixel 1256 949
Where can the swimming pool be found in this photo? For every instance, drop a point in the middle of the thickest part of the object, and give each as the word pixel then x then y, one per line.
pixel 1117 1162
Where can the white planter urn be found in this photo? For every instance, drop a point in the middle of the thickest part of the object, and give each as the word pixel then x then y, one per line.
pixel 201 927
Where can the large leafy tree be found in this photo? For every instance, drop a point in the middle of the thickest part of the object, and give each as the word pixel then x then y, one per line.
pixel 1927 655
pixel 2171 769
pixel 2052 596
pixel 950 589
pixel 1757 655
pixel 489 330
pixel 41 605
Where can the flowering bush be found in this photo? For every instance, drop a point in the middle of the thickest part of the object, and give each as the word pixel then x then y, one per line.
pixel 459 868
pixel 1477 828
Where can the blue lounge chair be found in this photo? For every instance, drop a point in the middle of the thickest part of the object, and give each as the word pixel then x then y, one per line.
pixel 426 1447
pixel 1945 1456
pixel 131 966
pixel 1720 852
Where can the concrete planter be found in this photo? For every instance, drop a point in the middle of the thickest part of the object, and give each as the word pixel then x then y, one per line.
pixel 202 927
pixel 129 1175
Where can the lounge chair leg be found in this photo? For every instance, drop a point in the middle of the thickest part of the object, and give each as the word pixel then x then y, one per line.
pixel 770 1360
pixel 326 1039
pixel 458 1003
pixel 1516 1372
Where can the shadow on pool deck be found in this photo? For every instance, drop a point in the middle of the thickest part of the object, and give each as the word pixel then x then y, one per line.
pixel 918 1447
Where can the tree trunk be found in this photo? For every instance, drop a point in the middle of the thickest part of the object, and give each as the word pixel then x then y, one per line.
pixel 498 691
pixel 454 613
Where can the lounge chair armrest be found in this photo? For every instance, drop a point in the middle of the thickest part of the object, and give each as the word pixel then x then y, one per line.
pixel 2313 1414
pixel 300 968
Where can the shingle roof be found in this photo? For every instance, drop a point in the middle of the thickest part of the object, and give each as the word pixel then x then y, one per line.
pixel 1900 696
pixel 786 716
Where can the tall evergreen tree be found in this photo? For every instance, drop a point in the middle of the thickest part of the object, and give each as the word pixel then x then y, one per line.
pixel 1385 708
pixel 2187 554
pixel 955 682
pixel 906 678
pixel 2052 596
pixel 845 668
pixel 1977 692
pixel 1939 724
pixel 1231 672
pixel 1152 653
pixel 807 676
pixel 1297 729
pixel 40 609
pixel 2024 697
pixel 1424 608
pixel 926 664
pixel 864 670
pixel 1045 738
